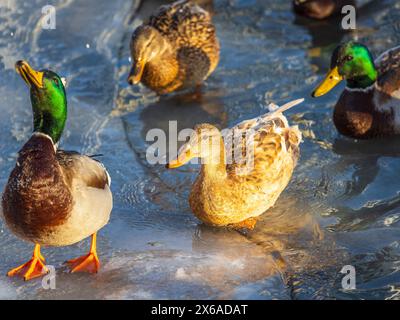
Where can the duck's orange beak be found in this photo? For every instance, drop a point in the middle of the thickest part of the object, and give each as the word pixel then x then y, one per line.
pixel 31 77
pixel 184 156
pixel 135 76
pixel 331 80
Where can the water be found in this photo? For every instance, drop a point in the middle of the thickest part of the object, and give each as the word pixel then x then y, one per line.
pixel 342 206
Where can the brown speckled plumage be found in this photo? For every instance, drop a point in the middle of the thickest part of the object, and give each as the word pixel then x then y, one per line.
pixel 373 112
pixel 192 52
pixel 228 194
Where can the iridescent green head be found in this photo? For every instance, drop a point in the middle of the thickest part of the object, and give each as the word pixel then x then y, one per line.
pixel 48 98
pixel 352 62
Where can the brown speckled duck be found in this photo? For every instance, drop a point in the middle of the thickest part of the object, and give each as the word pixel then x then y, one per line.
pixel 369 106
pixel 176 48
pixel 231 191
pixel 320 9
pixel 54 197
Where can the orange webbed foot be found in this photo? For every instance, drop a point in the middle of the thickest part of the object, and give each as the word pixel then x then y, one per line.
pixel 88 263
pixel 248 224
pixel 34 268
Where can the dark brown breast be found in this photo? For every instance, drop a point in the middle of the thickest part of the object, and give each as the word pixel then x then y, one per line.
pixel 355 116
pixel 36 197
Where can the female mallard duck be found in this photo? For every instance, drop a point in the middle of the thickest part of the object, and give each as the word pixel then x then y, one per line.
pixel 369 106
pixel 176 49
pixel 54 197
pixel 320 9
pixel 233 192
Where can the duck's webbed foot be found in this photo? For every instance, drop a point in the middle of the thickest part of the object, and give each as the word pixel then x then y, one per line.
pixel 87 263
pixel 33 268
pixel 248 224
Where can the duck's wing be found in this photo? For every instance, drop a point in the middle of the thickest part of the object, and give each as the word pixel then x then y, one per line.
pixel 191 31
pixel 260 145
pixel 388 65
pixel 184 23
pixel 83 170
pixel 170 16
pixel 256 146
pixel 89 184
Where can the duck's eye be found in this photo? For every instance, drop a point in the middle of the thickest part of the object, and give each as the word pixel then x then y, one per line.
pixel 349 58
pixel 55 80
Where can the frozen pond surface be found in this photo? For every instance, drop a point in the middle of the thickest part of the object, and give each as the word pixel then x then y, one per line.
pixel 342 206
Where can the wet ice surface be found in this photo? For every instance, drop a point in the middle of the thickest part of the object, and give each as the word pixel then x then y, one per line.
pixel 341 207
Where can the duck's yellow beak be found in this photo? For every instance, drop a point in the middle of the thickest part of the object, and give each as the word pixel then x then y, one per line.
pixel 185 155
pixel 30 76
pixel 136 72
pixel 330 81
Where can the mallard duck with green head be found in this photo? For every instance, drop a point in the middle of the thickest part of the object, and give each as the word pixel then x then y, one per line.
pixel 54 197
pixel 176 48
pixel 369 106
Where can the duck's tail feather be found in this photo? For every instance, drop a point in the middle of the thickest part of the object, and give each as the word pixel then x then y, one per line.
pixel 292 134
pixel 276 111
